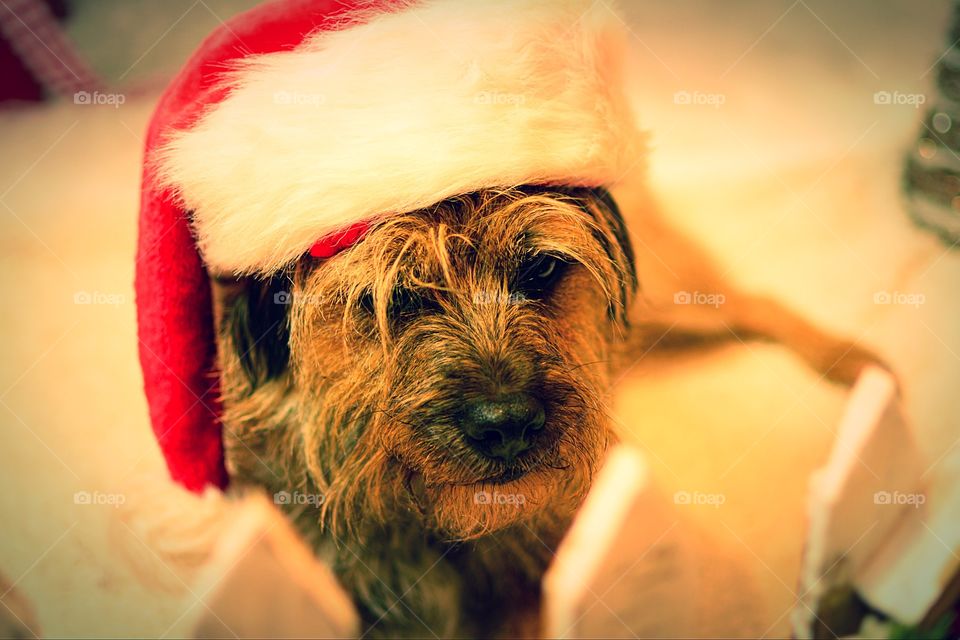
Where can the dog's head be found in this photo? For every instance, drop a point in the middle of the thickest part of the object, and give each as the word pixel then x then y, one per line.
pixel 452 364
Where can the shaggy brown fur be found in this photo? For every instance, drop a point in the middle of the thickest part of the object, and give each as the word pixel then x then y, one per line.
pixel 345 384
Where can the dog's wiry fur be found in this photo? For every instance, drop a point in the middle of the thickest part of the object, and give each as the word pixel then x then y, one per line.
pixel 346 379
pixel 352 392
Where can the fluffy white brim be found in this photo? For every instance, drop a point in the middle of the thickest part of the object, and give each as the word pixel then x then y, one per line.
pixel 398 111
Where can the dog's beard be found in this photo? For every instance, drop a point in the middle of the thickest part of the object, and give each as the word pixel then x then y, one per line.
pixel 545 493
pixel 455 504
pixel 409 456
pixel 536 500
pixel 462 494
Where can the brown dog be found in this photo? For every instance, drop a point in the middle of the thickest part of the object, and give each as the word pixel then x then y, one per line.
pixel 430 403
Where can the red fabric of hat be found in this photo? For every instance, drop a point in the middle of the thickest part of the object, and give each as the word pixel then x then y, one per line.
pixel 174 308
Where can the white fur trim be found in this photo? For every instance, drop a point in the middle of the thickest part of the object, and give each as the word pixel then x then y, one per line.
pixel 399 111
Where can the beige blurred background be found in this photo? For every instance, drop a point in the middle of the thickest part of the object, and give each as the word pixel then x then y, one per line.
pixel 788 174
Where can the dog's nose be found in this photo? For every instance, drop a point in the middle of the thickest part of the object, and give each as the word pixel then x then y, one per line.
pixel 503 427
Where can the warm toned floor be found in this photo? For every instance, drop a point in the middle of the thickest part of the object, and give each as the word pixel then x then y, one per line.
pixel 791 183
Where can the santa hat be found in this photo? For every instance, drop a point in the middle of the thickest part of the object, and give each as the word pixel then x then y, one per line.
pixel 301 123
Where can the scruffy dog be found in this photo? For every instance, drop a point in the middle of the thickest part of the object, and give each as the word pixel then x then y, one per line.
pixel 416 333
pixel 441 387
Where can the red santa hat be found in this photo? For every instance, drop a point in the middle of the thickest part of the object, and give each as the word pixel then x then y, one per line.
pixel 301 123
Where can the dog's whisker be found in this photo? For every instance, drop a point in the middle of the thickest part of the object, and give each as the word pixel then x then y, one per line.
pixel 586 364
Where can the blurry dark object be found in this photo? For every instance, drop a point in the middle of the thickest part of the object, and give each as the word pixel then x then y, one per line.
pixel 37 59
pixel 932 172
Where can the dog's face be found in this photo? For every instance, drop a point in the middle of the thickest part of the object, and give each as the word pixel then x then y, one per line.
pixel 453 364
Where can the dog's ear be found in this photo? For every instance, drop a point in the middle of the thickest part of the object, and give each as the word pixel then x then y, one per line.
pixel 613 236
pixel 257 322
pixel 614 219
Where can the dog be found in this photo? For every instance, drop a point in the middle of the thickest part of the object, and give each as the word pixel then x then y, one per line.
pixel 439 390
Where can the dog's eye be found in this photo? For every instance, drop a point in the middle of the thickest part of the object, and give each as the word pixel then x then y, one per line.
pixel 366 302
pixel 403 302
pixel 538 274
